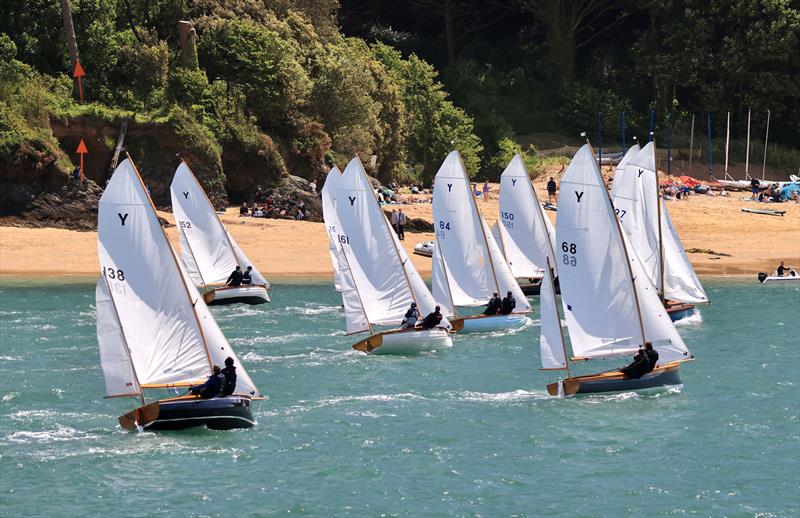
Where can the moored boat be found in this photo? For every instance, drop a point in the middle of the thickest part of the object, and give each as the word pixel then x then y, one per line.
pixel 153 328
pixel 764 278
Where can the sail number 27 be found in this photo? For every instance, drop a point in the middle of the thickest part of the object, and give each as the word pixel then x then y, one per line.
pixel 569 250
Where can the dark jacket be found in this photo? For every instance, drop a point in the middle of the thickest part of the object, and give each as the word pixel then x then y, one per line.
pixel 432 320
pixel 508 305
pixel 639 367
pixel 235 278
pixel 652 356
pixel 230 381
pixel 210 388
pixel 247 278
pixel 493 306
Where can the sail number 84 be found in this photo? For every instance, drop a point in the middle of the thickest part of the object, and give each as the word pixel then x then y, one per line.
pixel 569 250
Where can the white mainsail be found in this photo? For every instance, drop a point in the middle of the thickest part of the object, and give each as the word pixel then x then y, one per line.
pixel 170 335
pixel 383 274
pixel 635 197
pixel 611 307
pixel 474 267
pixel 680 281
pixel 551 338
pixel 210 253
pixel 355 317
pixel 526 234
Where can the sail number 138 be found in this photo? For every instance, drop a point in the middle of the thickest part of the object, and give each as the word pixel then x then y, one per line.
pixel 569 249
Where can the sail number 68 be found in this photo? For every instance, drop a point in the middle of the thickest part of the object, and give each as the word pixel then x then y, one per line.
pixel 568 249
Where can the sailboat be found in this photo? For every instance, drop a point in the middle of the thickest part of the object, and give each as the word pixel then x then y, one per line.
pixel 210 253
pixel 610 306
pixel 376 278
pixel 468 266
pixel 524 232
pixel 153 328
pixel 645 219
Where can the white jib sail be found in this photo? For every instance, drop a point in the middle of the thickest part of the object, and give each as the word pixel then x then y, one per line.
pixel 379 271
pixel 680 281
pixel 166 324
pixel 531 235
pixel 596 289
pixel 505 279
pixel 355 318
pixel 459 236
pixel 439 284
pixel 551 338
pixel 204 240
pixel 114 357
pixel 635 197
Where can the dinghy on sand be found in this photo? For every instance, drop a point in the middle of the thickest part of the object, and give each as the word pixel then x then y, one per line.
pixel 210 253
pixel 377 280
pixel 468 266
pixel 153 328
pixel 610 306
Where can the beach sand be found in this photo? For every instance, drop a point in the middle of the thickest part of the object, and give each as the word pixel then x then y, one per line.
pixel 285 249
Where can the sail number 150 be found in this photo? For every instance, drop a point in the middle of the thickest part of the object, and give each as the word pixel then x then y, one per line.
pixel 569 249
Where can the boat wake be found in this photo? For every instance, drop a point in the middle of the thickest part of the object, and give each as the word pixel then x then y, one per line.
pixel 314 309
pixel 694 319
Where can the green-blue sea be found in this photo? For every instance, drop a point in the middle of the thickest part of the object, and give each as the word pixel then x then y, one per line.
pixel 469 431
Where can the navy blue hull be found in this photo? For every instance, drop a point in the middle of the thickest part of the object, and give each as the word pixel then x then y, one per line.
pixel 224 413
pixel 681 313
pixel 648 381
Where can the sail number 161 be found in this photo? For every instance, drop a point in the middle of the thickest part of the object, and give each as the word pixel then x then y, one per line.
pixel 569 250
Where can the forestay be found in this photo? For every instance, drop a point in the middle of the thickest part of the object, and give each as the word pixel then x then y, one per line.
pixel 525 233
pixel 209 252
pixel 171 337
pixel 551 338
pixel 635 197
pixel 680 281
pixel 355 318
pixel 596 288
pixel 385 278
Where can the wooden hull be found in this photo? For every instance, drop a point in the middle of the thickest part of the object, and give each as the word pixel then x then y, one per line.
pixel 534 288
pixel 252 294
pixel 405 341
pixel 222 413
pixel 491 323
pixel 677 311
pixel 662 377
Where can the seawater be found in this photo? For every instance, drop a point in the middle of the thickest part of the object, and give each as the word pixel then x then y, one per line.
pixel 469 431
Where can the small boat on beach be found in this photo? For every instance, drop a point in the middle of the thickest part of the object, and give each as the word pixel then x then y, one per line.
pixel 153 328
pixel 648 226
pixel 425 248
pixel 210 253
pixel 375 276
pixel 468 266
pixel 610 306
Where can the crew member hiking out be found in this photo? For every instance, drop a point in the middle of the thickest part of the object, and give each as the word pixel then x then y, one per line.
pixel 493 306
pixel 235 278
pixel 433 319
pixel 508 304
pixel 639 367
pixel 212 386
pixel 410 318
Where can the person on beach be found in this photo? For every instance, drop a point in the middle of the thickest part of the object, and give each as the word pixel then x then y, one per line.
pixel 433 319
pixel 508 304
pixel 247 277
pixel 639 367
pixel 754 189
pixel 486 189
pixel 229 386
pixel 212 386
pixel 243 210
pixel 235 278
pixel 652 355
pixel 494 305
pixel 394 219
pixel 410 318
pixel 551 191
pixel 401 224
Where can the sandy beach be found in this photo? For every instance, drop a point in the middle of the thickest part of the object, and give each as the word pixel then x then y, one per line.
pixel 295 249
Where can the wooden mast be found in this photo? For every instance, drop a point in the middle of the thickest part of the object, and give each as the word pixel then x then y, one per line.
pixel 660 287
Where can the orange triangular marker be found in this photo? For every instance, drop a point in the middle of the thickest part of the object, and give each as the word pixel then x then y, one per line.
pixel 82 148
pixel 78 72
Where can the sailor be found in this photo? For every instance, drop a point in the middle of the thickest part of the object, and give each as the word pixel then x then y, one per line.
pixel 212 385
pixel 639 367
pixel 247 278
pixel 493 306
pixel 411 317
pixel 235 278
pixel 229 386
pixel 652 355
pixel 433 319
pixel 508 304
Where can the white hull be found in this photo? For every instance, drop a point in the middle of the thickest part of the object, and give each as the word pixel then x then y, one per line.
pixel 774 279
pixel 406 342
pixel 491 323
pixel 252 294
